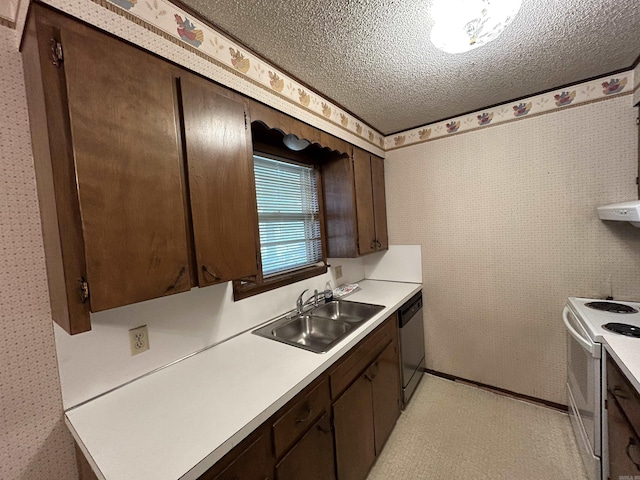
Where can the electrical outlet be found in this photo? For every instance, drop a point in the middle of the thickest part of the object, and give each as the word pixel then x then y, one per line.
pixel 338 272
pixel 139 340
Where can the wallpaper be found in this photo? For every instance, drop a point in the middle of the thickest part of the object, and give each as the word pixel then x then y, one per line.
pixel 34 442
pixel 506 217
pixel 568 97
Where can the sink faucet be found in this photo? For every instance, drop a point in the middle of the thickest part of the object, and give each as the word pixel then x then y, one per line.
pixel 313 298
pixel 299 304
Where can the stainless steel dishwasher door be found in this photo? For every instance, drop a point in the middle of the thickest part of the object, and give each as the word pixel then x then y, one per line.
pixel 411 345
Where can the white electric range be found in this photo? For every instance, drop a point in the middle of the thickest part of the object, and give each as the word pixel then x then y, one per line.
pixel 588 322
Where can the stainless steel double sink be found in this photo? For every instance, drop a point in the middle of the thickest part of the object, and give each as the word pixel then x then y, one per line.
pixel 321 327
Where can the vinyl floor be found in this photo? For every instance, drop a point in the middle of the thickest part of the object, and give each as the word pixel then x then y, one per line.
pixel 455 431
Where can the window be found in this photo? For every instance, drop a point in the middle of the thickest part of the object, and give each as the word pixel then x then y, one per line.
pixel 290 221
pixel 288 216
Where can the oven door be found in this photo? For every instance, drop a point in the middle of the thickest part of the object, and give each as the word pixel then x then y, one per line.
pixel 583 379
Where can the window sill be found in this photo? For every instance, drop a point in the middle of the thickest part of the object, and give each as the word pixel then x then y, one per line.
pixel 241 291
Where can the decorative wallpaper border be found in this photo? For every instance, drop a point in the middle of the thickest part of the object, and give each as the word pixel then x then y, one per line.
pixel 180 28
pixel 174 24
pixel 587 92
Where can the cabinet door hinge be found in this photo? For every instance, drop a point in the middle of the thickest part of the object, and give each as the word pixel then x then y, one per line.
pixel 56 53
pixel 83 287
pixel 245 120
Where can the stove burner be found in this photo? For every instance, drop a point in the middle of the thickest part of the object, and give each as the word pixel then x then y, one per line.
pixel 623 329
pixel 611 307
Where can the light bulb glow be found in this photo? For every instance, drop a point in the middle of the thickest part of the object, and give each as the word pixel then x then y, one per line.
pixel 462 25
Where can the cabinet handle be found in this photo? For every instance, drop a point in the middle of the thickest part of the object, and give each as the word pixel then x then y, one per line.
pixel 210 273
pixel 177 280
pixel 56 52
pixel 378 244
pixel 306 416
pixel 372 372
pixel 634 443
pixel 373 245
pixel 324 430
pixel 375 369
pixel 619 393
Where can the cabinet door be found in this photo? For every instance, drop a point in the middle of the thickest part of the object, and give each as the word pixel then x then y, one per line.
pixel 122 113
pixel 354 432
pixel 312 457
pixel 385 388
pixel 221 182
pixel 252 464
pixel 340 207
pixel 379 202
pixel 624 446
pixel 364 201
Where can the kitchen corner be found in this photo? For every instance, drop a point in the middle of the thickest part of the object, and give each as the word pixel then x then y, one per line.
pixel 180 420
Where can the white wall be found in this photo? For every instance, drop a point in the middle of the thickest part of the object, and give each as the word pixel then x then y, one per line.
pixel 507 222
pixel 94 362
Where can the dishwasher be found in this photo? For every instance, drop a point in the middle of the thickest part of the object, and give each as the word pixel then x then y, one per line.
pixel 411 328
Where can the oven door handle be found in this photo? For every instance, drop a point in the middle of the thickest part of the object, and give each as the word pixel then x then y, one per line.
pixel 586 344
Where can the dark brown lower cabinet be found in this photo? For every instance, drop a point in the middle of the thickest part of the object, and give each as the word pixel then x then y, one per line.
pixel 253 462
pixel 624 446
pixel 385 393
pixel 354 432
pixel 623 417
pixel 312 457
pixel 365 414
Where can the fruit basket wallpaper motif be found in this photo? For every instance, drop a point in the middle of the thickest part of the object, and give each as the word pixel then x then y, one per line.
pixel 188 32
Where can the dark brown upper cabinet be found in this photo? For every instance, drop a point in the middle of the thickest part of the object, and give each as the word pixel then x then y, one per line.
pixel 355 204
pixel 108 168
pixel 144 172
pixel 221 181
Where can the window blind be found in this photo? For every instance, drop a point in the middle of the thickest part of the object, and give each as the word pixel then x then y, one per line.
pixel 288 216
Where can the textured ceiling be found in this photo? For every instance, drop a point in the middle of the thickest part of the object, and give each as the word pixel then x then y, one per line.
pixel 374 57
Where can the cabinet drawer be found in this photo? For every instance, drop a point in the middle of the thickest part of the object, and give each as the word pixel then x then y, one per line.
pixel 625 394
pixel 250 460
pixel 302 414
pixel 348 369
pixel 312 457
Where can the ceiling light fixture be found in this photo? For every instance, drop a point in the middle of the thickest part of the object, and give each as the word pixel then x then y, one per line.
pixel 462 25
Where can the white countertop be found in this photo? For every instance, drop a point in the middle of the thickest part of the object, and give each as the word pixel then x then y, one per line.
pixel 177 422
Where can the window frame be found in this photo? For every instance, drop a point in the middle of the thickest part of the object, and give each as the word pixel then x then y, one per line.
pixel 244 288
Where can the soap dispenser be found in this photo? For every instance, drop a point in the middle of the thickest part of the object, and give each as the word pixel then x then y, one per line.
pixel 328 293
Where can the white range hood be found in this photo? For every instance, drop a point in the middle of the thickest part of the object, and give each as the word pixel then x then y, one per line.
pixel 623 211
